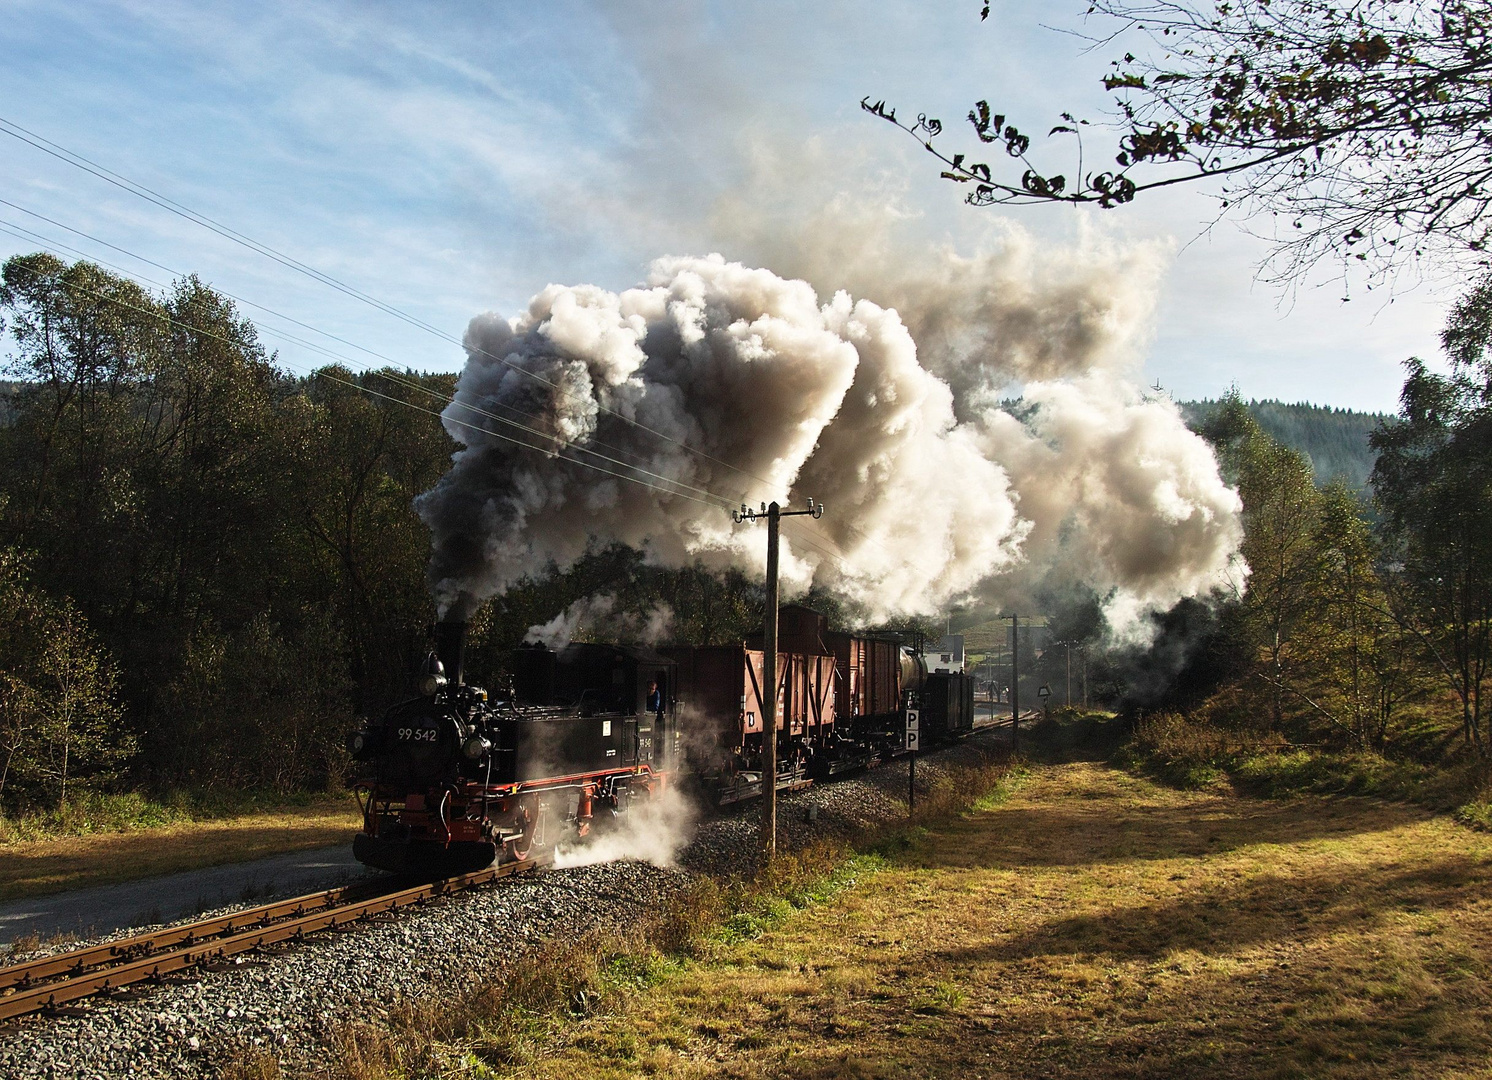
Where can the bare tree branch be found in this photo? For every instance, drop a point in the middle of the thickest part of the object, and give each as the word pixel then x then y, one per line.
pixel 1365 127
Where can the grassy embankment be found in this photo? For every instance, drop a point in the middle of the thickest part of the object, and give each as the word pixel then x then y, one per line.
pixel 1084 922
pixel 104 840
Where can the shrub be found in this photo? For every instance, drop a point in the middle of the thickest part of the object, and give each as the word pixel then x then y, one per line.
pixel 1187 752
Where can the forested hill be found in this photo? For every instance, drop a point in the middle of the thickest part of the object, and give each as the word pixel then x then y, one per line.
pixel 1336 440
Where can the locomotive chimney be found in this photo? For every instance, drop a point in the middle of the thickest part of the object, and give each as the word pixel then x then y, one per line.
pixel 450 647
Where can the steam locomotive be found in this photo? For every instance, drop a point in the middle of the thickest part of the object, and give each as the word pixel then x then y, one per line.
pixel 453 780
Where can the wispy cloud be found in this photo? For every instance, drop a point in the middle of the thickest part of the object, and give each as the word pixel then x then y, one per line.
pixel 454 157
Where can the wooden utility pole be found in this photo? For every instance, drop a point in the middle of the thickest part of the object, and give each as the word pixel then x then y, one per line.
pixel 774 514
pixel 1015 683
pixel 769 690
pixel 1069 674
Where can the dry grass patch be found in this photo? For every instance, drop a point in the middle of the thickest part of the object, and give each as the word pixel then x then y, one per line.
pixel 1096 925
pixel 39 867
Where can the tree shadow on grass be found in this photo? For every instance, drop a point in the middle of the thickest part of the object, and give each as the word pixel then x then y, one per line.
pixel 1321 1019
pixel 1353 1005
pixel 1360 995
pixel 1363 961
pixel 1099 827
pixel 1220 921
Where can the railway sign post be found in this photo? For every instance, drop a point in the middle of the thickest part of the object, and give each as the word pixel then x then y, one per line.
pixel 773 514
pixel 914 717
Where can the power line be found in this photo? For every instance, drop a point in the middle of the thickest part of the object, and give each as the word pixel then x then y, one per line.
pixel 280 315
pixel 139 190
pixel 389 397
pixel 61 153
pixel 16 230
pixel 837 557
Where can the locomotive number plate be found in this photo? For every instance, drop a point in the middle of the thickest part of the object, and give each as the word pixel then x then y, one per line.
pixel 405 734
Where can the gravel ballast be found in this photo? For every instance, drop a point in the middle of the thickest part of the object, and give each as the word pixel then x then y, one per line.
pixel 293 997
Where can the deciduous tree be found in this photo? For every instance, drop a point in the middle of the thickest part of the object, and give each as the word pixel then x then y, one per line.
pixel 1434 484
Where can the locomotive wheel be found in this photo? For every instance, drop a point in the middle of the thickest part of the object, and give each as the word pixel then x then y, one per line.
pixel 519 847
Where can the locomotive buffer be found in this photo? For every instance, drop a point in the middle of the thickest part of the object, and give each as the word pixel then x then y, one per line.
pixel 773 513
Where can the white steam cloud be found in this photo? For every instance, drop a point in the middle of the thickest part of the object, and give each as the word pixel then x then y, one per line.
pixel 934 496
pixel 652 831
pixel 597 615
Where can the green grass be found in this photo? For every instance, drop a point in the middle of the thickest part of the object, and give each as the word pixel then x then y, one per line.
pixel 1361 773
pixel 1477 814
pixel 1193 755
pixel 759 911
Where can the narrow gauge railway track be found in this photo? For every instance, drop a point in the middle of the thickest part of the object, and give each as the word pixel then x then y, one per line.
pixel 51 982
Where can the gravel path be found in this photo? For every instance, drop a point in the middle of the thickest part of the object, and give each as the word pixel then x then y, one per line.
pixel 292 997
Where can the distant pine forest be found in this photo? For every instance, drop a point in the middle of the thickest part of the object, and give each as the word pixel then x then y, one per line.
pixel 1334 440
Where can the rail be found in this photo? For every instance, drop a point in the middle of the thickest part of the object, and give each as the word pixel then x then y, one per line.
pixel 50 982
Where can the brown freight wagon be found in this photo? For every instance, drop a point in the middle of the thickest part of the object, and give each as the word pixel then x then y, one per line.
pixel 871 676
pixel 721 697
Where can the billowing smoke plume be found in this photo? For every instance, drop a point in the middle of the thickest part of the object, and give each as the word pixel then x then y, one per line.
pixel 597 616
pixel 729 384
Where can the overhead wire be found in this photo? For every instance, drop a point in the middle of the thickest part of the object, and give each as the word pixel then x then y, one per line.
pixel 714 502
pixel 415 385
pixel 850 526
pixel 837 556
pixel 32 236
pixel 124 183
pixel 139 190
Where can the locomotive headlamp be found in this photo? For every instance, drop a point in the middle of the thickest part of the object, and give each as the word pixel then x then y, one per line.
pixel 363 744
pixel 475 747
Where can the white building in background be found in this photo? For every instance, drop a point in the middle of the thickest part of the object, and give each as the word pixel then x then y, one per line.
pixel 947 655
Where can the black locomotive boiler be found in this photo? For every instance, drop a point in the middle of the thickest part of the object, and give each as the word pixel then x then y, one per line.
pixel 452 780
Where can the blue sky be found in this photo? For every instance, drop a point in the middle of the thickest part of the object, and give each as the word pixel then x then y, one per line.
pixel 450 158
